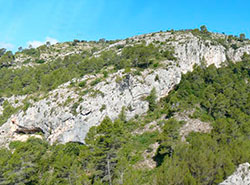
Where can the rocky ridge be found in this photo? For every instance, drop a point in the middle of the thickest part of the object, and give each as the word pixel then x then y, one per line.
pixel 64 115
pixel 49 52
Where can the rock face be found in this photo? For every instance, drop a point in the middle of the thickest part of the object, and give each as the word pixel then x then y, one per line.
pixel 59 123
pixel 148 155
pixel 240 177
pixel 191 125
pixel 66 115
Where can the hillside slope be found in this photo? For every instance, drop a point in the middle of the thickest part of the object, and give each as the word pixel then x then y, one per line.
pixel 163 108
pixel 66 113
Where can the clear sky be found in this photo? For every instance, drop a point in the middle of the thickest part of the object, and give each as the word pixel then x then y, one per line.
pixel 35 21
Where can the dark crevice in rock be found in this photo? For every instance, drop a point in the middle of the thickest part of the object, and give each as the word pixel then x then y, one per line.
pixel 125 83
pixel 87 113
pixel 25 130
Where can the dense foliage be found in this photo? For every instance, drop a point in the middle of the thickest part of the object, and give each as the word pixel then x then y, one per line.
pixel 221 97
pixel 6 58
pixel 112 152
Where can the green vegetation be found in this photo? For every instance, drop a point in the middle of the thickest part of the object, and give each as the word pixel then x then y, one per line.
pixel 47 76
pixel 103 107
pixel 204 29
pixel 82 84
pixel 74 107
pixel 227 41
pixel 6 58
pixel 242 36
pixel 169 54
pixel 112 152
pixel 151 99
pixel 96 81
pixel 220 96
pixel 31 52
pixel 8 110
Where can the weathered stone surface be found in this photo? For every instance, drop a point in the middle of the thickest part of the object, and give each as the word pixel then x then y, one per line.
pixel 191 125
pixel 148 161
pixel 15 101
pixel 240 177
pixel 58 122
pixel 54 116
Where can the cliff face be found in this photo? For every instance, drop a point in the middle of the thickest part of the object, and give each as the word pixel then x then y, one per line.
pixel 66 114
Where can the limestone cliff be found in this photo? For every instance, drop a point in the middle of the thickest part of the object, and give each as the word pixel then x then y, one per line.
pixel 66 114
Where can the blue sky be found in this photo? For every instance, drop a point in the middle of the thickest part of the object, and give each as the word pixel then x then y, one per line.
pixel 33 21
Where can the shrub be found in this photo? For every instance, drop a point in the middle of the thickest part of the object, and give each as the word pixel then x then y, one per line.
pixel 169 55
pixel 40 61
pixel 96 81
pixel 103 107
pixel 151 99
pixel 82 83
pixel 120 46
pixel 105 74
pixel 74 107
pixel 157 78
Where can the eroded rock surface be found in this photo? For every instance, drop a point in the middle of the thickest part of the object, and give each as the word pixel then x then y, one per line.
pixel 191 125
pixel 59 123
pixel 148 161
pixel 240 177
pixel 66 115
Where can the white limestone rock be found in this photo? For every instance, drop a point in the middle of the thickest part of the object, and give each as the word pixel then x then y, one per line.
pixel 240 177
pixel 59 123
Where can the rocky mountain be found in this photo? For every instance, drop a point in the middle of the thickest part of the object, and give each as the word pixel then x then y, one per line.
pixel 71 87
pixel 121 89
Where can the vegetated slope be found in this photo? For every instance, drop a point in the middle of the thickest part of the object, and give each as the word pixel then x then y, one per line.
pixel 120 151
pixel 126 101
pixel 65 96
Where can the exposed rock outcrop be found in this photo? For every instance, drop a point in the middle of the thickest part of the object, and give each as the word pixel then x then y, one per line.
pixel 59 123
pixel 240 177
pixel 191 125
pixel 66 115
pixel 148 161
